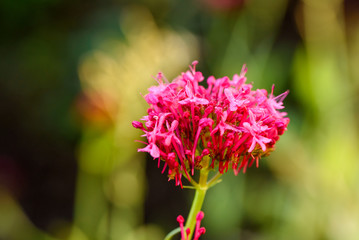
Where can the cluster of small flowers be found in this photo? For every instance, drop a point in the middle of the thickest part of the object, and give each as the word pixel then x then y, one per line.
pixel 227 122
pixel 197 232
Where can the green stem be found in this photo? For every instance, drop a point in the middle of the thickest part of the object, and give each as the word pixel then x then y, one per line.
pixel 215 180
pixel 197 203
pixel 172 233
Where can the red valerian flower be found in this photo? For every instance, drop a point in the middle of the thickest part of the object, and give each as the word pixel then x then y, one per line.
pixel 197 232
pixel 228 123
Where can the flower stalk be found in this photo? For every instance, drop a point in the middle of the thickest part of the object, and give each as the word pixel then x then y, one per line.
pixel 198 200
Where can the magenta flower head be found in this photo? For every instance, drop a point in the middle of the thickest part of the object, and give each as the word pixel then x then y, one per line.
pixel 227 125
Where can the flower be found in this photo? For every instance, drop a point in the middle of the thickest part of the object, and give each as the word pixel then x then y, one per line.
pixel 198 231
pixel 226 125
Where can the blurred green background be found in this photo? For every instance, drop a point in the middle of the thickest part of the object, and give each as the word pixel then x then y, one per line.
pixel 72 75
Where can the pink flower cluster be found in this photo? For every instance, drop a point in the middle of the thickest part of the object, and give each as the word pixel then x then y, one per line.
pixel 197 232
pixel 227 122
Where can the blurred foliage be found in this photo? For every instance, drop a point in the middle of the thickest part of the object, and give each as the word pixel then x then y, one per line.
pixel 113 76
pixel 73 73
